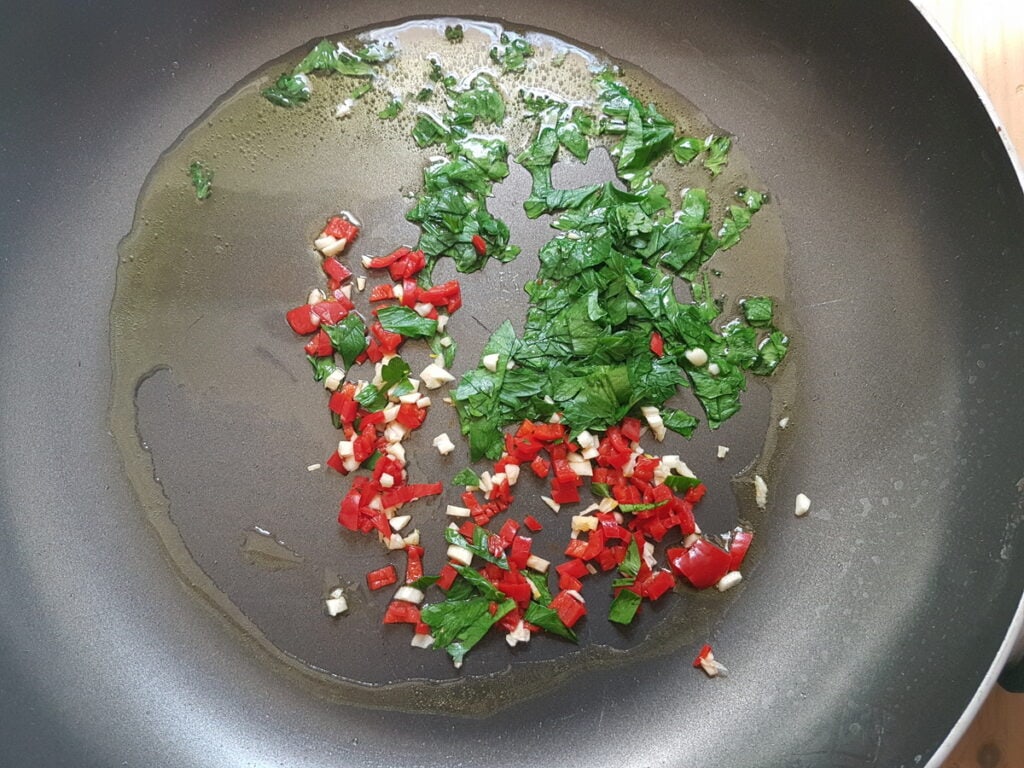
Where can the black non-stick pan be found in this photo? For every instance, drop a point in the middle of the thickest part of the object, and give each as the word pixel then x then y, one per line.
pixel 862 633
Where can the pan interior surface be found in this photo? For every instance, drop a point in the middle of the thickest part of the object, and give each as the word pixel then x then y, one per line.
pixel 210 405
pixel 859 637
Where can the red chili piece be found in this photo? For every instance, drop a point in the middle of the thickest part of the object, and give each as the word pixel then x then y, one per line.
pixel 382 577
pixel 480 245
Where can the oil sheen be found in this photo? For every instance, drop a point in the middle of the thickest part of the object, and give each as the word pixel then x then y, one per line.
pixel 217 417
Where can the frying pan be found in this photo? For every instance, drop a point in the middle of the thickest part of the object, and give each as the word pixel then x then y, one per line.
pixel 862 635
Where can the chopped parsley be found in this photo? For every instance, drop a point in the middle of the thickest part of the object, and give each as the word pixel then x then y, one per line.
pixel 202 179
pixel 391 110
pixel 288 90
pixel 454 34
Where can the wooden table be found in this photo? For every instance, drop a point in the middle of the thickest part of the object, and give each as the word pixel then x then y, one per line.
pixel 990 37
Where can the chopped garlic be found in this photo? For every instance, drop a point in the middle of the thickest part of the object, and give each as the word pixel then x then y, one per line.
pixel 366 259
pixel 696 356
pixel 324 241
pixel 422 641
pixel 607 504
pixel 555 506
pixel 518 635
pixel 760 492
pixel 391 413
pixel 336 603
pixel 360 283
pixel 350 464
pixel 648 555
pixel 313 467
pixel 386 480
pixel 397 450
pixel 316 296
pixel 423 402
pixel 409 594
pixel 512 473
pixel 713 369
pixel 395 542
pixel 784 422
pixel 803 505
pixel 335 248
pixel 460 555
pixel 422 309
pixel 334 379
pixel 490 362
pixel 486 483
pixel 345 449
pixel 722 451
pixel 444 444
pixel 581 523
pixel 344 109
pixel 539 564
pixel 410 398
pixel 442 321
pixel 434 376
pixel 457 511
pixel 446 341
pixel 582 468
pixel 730 580
pixel 413 539
pixel 690 540
pixel 398 522
pixel 653 417
pixel 394 432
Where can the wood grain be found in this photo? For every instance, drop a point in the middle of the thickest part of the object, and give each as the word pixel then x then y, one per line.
pixel 989 34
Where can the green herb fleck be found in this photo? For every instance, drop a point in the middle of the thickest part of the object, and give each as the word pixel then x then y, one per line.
pixel 454 34
pixel 288 90
pixel 348 337
pixel 624 607
pixel 547 619
pixel 391 110
pixel 202 179
pixel 407 322
pixel 467 477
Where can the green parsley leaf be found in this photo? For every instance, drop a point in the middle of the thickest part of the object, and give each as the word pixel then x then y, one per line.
pixel 322 366
pixel 425 93
pixel 679 422
pixel 458 625
pixel 540 581
pixel 407 322
pixel 454 34
pixel 428 131
pixel 288 90
pixel 547 619
pixel 681 483
pixel 624 607
pixel 391 110
pixel 686 148
pixel 757 310
pixel 631 509
pixel 423 582
pixel 348 337
pixel 202 179
pixel 361 91
pixel 467 477
pixel 376 52
pixel 333 57
pixel 771 352
pixel 394 371
pixel 512 53
pixel 372 398
pixel 718 154
pixel 630 565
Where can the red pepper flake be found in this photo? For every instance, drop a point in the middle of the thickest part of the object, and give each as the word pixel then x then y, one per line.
pixel 657 344
pixel 382 577
pixel 532 523
pixel 341 228
pixel 480 245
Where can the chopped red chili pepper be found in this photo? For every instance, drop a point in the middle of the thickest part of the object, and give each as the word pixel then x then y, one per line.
pixel 703 564
pixel 480 245
pixel 302 320
pixel 382 577
pixel 341 228
pixel 657 344
pixel 413 563
pixel 320 345
pixel 335 270
pixel 570 610
pixel 739 543
pixel 532 523
pixel 401 612
pixel 382 292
